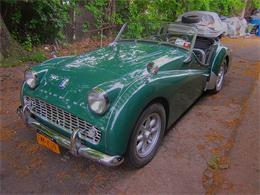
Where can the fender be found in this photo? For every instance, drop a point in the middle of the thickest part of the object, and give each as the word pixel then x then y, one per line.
pixel 230 59
pixel 124 115
pixel 221 54
pixel 137 97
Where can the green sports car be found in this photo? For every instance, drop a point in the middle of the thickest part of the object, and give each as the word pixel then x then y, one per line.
pixel 116 102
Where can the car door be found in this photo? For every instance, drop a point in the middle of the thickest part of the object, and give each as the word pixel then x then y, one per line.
pixel 196 78
pixel 191 86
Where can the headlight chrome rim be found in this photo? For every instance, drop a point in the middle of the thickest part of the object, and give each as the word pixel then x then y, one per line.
pixel 30 78
pixel 98 101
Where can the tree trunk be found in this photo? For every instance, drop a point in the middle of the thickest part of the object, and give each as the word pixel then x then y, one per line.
pixel 113 7
pixel 244 9
pixel 8 46
pixel 74 23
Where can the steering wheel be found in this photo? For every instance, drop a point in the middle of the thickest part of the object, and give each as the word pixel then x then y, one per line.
pixel 156 38
pixel 172 38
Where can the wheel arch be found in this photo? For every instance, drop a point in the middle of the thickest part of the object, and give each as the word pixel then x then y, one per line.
pixel 126 113
pixel 161 100
pixel 164 102
pixel 228 57
pixel 222 54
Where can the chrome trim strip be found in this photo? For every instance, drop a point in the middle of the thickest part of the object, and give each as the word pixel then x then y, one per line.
pixel 73 144
pixel 212 82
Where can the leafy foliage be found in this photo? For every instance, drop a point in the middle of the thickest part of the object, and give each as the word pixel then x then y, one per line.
pixel 256 3
pixel 97 8
pixel 36 56
pixel 33 56
pixel 32 22
pixel 140 12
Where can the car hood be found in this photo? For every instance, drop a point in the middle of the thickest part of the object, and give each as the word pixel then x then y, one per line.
pixel 122 62
pixel 68 80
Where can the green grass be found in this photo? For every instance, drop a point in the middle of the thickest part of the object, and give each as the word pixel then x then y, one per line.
pixel 36 56
pixel 12 61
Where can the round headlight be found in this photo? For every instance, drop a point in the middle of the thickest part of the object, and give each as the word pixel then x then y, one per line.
pixel 30 79
pixel 98 101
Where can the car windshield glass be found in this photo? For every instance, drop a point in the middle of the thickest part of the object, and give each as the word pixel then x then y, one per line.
pixel 166 33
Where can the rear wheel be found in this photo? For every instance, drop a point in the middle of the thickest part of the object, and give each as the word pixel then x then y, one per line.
pixel 147 136
pixel 220 77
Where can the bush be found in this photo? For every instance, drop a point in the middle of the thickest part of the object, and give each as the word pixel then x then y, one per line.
pixel 34 22
pixel 138 12
pixel 34 57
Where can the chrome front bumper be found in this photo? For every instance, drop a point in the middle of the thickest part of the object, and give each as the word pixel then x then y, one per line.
pixel 73 144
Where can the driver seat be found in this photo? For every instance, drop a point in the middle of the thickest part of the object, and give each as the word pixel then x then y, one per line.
pixel 200 55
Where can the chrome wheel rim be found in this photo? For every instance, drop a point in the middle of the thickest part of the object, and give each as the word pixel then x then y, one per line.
pixel 220 78
pixel 148 134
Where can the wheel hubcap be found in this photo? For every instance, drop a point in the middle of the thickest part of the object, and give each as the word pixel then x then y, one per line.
pixel 220 78
pixel 148 135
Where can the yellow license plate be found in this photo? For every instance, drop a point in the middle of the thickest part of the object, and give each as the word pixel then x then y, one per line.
pixel 48 143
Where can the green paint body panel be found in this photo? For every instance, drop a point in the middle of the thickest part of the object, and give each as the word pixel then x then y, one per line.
pixel 120 70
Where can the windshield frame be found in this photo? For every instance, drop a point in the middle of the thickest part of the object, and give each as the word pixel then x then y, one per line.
pixel 181 29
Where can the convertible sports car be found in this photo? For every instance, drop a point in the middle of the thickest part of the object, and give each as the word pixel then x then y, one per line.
pixel 116 102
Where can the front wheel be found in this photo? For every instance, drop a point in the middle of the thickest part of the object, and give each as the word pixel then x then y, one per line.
pixel 147 136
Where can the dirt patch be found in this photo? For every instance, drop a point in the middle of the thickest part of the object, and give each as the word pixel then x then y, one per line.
pixel 213 177
pixel 214 136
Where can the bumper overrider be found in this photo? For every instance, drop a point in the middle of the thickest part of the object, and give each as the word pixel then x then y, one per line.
pixel 73 143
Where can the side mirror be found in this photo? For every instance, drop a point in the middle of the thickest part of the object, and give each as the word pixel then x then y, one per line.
pixel 152 68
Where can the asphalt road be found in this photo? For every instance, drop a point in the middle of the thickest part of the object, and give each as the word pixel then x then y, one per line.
pixel 214 148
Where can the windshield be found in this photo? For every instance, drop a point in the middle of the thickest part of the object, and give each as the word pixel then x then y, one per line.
pixel 167 33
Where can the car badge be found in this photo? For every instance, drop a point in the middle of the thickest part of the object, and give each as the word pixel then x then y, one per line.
pixel 63 83
pixel 57 121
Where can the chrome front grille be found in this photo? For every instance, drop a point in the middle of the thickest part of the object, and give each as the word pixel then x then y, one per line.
pixel 60 118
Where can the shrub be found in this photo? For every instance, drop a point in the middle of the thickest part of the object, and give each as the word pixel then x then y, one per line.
pixel 34 22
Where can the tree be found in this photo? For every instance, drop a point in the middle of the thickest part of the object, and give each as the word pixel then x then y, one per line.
pixel 8 46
